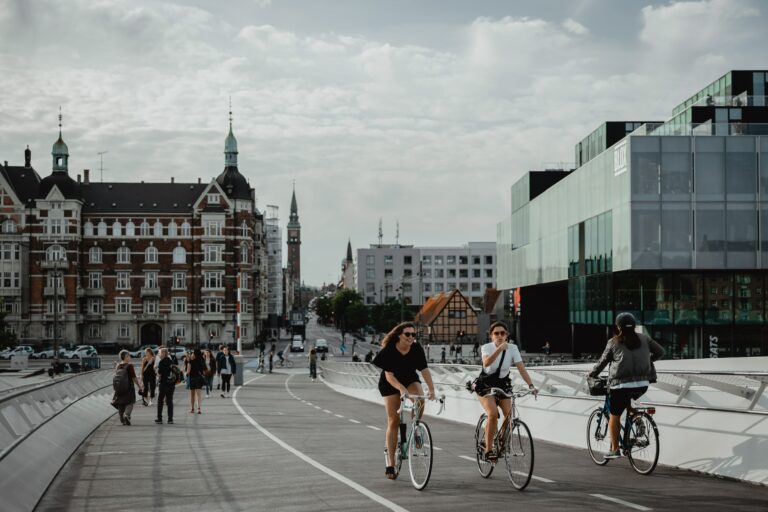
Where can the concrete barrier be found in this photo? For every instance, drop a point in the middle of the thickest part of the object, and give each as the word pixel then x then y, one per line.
pixel 702 438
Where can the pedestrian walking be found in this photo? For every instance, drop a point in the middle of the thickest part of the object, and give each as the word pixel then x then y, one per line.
pixel 208 372
pixel 219 354
pixel 123 384
pixel 313 364
pixel 196 375
pixel 476 349
pixel 227 368
pixel 148 376
pixel 442 355
pixel 452 350
pixel 342 348
pixel 166 385
pixel 271 357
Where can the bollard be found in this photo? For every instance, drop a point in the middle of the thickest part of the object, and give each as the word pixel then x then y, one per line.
pixel 240 367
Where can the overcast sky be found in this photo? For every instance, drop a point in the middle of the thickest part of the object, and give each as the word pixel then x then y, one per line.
pixel 424 111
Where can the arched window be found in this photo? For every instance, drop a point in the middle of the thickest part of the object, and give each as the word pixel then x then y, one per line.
pixel 88 229
pixel 130 229
pixel 179 255
pixel 186 230
pixel 244 229
pixel 158 229
pixel 123 255
pixel 244 254
pixel 55 253
pixel 172 229
pixel 102 228
pixel 150 256
pixel 94 255
pixel 9 226
pixel 117 228
pixel 145 228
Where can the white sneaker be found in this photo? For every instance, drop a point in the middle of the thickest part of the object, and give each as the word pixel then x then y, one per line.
pixel 150 402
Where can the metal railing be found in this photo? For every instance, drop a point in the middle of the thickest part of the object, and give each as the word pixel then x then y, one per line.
pixel 742 391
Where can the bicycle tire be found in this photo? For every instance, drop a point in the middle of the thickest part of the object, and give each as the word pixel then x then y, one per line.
pixel 485 467
pixel 643 443
pixel 518 455
pixel 598 439
pixel 420 455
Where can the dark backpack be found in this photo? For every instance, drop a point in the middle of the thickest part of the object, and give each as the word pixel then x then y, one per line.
pixel 175 376
pixel 121 382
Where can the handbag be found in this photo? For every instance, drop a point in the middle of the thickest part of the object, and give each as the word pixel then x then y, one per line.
pixel 597 386
pixel 482 381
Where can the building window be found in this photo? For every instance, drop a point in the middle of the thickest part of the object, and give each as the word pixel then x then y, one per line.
pixel 10 252
pixel 130 229
pixel 450 286
pixel 213 228
pixel 489 272
pixel 150 256
pixel 173 230
pixel 55 253
pixel 179 255
pixel 438 287
pixel 243 331
pixel 213 253
pixel 407 272
pixel 426 260
pixel 475 260
pixel 244 254
pixel 117 229
pixel 123 280
pixel 179 280
pixel 94 280
pixel 94 331
pixel 213 305
pixel 180 331
pixel 53 305
pixel 370 259
pixel 123 255
pixel 158 229
pixel 151 306
pixel 438 260
pixel 94 255
pixel 88 229
pixel 122 305
pixel 439 273
pixel 53 279
pixel 450 259
pixel 186 230
pixel 489 260
pixel 489 285
pixel 13 279
pixel 387 272
pixel 124 331
pixel 463 273
pixel 102 228
pixel 214 198
pixel 150 279
pixel 427 287
pixel 475 272
pixel 463 260
pixel 388 259
pixel 55 226
pixel 370 273
pixel 244 229
pixel 426 273
pixel 244 280
pixel 179 304
pixel 463 287
pixel 95 306
pixel 451 272
pixel 213 280
pixel 144 228
pixel 407 260
pixel 370 287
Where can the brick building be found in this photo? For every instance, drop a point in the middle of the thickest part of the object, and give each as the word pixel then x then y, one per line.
pixel 131 263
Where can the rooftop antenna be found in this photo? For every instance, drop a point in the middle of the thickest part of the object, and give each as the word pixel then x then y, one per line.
pixel 381 233
pixel 59 121
pixel 397 233
pixel 101 163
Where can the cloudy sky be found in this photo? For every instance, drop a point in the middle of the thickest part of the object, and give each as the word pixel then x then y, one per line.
pixel 419 111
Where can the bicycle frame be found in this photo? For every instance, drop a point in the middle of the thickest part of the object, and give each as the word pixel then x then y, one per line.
pixel 626 425
pixel 413 403
pixel 509 419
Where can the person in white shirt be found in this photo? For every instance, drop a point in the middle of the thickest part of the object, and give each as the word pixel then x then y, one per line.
pixel 498 357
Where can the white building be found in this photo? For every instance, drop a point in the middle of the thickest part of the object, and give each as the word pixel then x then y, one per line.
pixel 274 267
pixel 386 271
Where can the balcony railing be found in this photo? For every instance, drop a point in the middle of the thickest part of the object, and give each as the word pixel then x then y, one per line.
pixel 703 129
pixel 49 291
pixel 94 292
pixel 147 291
pixel 55 264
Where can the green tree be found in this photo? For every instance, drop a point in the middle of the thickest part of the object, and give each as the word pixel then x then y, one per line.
pixel 7 338
pixel 341 302
pixel 324 309
pixel 357 316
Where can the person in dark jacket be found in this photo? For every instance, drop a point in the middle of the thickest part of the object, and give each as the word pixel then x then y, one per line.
pixel 196 375
pixel 166 386
pixel 227 368
pixel 631 355
pixel 124 399
pixel 148 376
pixel 210 371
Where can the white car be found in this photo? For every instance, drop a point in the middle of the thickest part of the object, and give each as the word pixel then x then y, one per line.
pixel 48 353
pixel 321 345
pixel 297 345
pixel 21 349
pixel 139 353
pixel 81 351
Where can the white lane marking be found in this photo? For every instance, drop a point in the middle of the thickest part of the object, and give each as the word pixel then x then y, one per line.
pixel 534 477
pixel 354 421
pixel 372 427
pixel 98 454
pixel 317 407
pixel 327 411
pixel 310 403
pixel 436 448
pixel 328 471
pixel 621 502
pixel 338 415
pixel 468 458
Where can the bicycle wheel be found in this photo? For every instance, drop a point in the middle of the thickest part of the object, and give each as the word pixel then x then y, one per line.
pixel 288 363
pixel 485 467
pixel 420 455
pixel 518 454
pixel 598 439
pixel 643 443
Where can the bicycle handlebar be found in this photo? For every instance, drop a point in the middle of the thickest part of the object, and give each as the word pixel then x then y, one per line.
pixel 514 394
pixel 440 399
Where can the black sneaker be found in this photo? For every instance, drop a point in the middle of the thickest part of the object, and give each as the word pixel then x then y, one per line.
pixel 159 421
pixel 122 420
pixel 127 421
pixel 170 422
pixel 613 455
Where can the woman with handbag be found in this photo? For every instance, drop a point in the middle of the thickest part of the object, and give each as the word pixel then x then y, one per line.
pixel 148 377
pixel 498 357
pixel 209 372
pixel 196 375
pixel 630 374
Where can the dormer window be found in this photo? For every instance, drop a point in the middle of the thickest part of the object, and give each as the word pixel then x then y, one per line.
pixel 214 198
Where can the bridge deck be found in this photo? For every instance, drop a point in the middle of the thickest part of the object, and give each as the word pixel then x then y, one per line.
pixel 293 456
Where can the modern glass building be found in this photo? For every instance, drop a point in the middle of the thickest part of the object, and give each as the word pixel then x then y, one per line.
pixel 670 223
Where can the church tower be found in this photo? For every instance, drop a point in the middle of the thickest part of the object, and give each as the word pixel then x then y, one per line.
pixel 294 252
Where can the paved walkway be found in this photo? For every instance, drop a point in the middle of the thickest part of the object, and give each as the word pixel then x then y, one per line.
pixel 288 444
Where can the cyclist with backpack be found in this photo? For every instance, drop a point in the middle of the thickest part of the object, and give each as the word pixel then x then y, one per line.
pixel 630 373
pixel 168 375
pixel 122 383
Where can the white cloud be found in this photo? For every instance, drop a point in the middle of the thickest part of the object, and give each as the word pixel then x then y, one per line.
pixel 575 27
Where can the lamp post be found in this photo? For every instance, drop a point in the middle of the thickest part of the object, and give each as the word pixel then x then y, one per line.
pixel 57 274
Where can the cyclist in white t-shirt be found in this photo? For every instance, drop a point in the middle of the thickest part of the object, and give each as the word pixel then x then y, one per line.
pixel 491 354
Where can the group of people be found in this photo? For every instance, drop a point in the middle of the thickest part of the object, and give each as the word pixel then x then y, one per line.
pixel 161 372
pixel 629 353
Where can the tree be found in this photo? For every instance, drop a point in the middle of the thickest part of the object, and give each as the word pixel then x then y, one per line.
pixel 341 302
pixel 357 316
pixel 7 338
pixel 324 309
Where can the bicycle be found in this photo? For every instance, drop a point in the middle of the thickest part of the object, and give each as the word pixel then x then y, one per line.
pixel 284 363
pixel 639 439
pixel 512 441
pixel 414 444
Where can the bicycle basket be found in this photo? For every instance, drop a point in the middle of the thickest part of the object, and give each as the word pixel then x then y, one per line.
pixel 597 386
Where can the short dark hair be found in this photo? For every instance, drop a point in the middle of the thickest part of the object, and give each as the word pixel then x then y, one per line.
pixel 498 323
pixel 123 353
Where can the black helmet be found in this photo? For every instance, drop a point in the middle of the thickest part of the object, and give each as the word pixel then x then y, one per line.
pixel 625 321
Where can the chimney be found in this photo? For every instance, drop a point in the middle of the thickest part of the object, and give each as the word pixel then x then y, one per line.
pixel 6 163
pixel 172 179
pixel 78 178
pixel 86 176
pixel 27 157
pixel 199 180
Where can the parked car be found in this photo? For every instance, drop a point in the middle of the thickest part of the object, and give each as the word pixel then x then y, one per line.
pixel 178 353
pixel 81 351
pixel 321 345
pixel 48 353
pixel 297 344
pixel 21 349
pixel 139 353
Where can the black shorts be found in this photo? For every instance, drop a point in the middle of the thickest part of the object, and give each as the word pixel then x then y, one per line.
pixel 505 384
pixel 620 398
pixel 386 389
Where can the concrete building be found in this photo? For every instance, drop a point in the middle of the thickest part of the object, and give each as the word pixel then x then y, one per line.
pixel 417 273
pixel 274 270
pixel 129 262
pixel 669 222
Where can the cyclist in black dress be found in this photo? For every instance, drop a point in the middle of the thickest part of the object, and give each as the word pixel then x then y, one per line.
pixel 400 357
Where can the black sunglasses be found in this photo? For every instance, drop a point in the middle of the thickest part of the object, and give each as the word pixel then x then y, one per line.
pixel 499 333
pixel 410 334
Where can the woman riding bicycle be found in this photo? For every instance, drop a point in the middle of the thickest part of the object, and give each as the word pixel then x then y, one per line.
pixel 497 371
pixel 629 375
pixel 400 357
